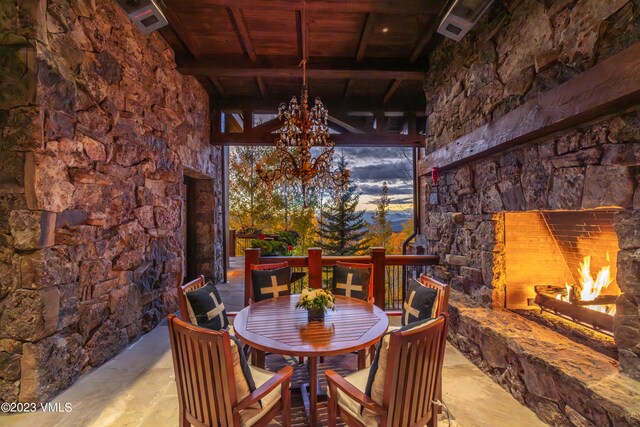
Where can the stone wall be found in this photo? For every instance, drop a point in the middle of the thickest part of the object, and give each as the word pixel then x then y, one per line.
pixel 97 130
pixel 517 52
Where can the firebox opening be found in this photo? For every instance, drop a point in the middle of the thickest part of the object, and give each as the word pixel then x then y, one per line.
pixel 561 269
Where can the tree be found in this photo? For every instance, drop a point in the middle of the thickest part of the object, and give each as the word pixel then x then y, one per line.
pixel 251 203
pixel 398 239
pixel 381 230
pixel 342 229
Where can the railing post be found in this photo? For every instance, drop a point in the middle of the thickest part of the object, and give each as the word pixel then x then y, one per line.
pixel 315 267
pixel 251 256
pixel 232 243
pixel 379 283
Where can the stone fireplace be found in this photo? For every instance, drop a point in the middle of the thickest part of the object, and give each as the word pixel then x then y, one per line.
pixel 517 218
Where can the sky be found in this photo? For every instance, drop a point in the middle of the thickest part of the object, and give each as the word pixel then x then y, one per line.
pixel 370 167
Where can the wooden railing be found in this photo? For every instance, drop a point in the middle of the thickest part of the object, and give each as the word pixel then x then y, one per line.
pixel 391 272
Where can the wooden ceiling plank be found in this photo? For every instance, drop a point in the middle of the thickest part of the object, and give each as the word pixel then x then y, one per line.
pixel 262 87
pixel 393 87
pixel 425 38
pixel 364 37
pixel 347 89
pixel 216 83
pixel 243 33
pixel 396 7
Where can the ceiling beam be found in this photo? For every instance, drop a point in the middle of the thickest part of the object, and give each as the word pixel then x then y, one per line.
pixel 393 87
pixel 243 33
pixel 329 71
pixel 259 105
pixel 364 37
pixel 343 140
pixel 262 87
pixel 396 7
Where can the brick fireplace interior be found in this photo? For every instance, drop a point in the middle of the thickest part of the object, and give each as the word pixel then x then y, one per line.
pixel 570 256
pixel 552 248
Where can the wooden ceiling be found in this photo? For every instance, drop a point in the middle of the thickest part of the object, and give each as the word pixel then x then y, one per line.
pixel 362 55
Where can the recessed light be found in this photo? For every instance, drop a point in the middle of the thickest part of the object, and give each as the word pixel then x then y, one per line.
pixel 385 30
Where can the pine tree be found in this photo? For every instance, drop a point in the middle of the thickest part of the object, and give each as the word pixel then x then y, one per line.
pixel 342 229
pixel 381 230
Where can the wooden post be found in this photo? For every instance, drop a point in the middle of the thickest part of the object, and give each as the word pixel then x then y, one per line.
pixel 251 256
pixel 379 282
pixel 232 243
pixel 315 267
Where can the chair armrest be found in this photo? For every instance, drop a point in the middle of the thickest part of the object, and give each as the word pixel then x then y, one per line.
pixel 281 377
pixel 232 313
pixel 371 300
pixel 336 381
pixel 393 313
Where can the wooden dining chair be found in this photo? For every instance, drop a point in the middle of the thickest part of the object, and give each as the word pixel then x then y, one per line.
pixel 370 298
pixel 207 379
pixel 408 374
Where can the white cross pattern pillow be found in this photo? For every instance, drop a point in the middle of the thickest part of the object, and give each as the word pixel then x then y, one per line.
pixel 271 283
pixel 420 303
pixel 206 308
pixel 351 282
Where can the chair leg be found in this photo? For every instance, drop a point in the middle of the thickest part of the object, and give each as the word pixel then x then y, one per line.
pixel 433 422
pixel 286 406
pixel 183 420
pixel 332 406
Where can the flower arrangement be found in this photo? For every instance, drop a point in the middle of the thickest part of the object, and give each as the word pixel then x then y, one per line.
pixel 316 302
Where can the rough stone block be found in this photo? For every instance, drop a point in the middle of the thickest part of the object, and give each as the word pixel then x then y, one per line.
pixel 567 188
pixel 10 355
pixel 627 226
pixel 50 365
pixel 30 315
pixel 629 271
pixel 458 260
pixel 491 201
pixel 512 195
pixel 32 229
pixel 608 186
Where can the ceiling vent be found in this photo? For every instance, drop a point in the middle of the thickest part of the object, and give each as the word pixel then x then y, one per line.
pixel 461 17
pixel 145 14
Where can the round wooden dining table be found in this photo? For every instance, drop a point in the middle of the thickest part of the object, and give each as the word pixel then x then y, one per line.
pixel 276 326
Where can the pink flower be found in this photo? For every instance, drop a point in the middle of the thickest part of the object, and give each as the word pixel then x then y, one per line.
pixel 290 248
pixel 262 237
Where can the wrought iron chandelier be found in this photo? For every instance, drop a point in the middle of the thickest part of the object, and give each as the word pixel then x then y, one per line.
pixel 304 145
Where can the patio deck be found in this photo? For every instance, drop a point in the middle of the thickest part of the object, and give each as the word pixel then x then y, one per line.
pixel 137 387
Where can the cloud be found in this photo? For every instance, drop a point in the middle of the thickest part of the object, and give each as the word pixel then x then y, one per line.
pixel 394 190
pixel 364 155
pixel 388 171
pixel 401 201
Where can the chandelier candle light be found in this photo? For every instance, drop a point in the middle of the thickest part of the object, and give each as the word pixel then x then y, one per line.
pixel 303 129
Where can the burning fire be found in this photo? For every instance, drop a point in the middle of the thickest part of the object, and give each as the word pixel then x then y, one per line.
pixel 589 288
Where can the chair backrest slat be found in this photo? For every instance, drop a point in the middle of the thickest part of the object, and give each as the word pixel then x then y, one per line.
pixel 204 374
pixel 414 366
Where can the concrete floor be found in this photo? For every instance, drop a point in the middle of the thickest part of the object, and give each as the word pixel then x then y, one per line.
pixel 137 387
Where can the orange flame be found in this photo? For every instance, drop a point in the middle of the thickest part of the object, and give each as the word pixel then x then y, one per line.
pixel 590 288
